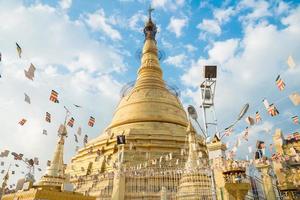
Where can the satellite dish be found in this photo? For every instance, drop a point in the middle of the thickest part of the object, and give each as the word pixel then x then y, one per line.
pixel 192 112
pixel 243 111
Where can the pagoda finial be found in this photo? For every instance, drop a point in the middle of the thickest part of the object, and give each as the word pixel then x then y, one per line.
pixel 150 10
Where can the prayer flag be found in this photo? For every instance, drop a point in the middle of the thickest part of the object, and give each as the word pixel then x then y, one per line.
pixel 295 119
pixel 266 103
pixel 71 122
pixel 280 84
pixel 250 149
pixel 76 139
pixel 79 131
pixel 54 96
pixel 4 153
pixel 257 117
pixel 85 139
pixel 295 98
pixel 91 121
pixel 27 98
pixel 30 73
pixel 246 133
pixel 272 110
pixel 36 161
pixel 291 63
pixel 228 131
pixel 48 117
pixel 22 122
pixel 249 120
pixel 19 50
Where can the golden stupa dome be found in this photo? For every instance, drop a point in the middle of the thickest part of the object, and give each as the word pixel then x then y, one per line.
pixel 149 99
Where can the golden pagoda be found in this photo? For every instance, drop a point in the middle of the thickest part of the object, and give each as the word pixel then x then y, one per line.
pixel 154 123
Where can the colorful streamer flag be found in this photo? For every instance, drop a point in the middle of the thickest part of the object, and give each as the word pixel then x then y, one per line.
pixel 228 131
pixel 295 98
pixel 36 161
pixel 76 139
pixel 27 98
pixel 257 117
pixel 19 50
pixel 48 117
pixel 295 119
pixel 45 132
pixel 266 103
pixel 17 156
pixel 272 110
pixel 91 121
pixel 250 149
pixel 30 73
pixel 246 133
pixel 291 63
pixel 85 139
pixel 4 153
pixel 280 84
pixel 71 122
pixel 22 122
pixel 250 121
pixel 79 131
pixel 54 96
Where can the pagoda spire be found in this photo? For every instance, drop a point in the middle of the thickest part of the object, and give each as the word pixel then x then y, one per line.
pixel 150 72
pixel 55 175
pixel 191 162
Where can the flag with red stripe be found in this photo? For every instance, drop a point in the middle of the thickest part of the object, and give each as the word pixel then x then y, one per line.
pixel 295 119
pixel 91 121
pixel 280 84
pixel 257 117
pixel 22 122
pixel 54 96
pixel 272 110
pixel 71 122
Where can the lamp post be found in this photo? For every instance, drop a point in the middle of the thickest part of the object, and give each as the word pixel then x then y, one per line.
pixel 193 114
pixel 240 116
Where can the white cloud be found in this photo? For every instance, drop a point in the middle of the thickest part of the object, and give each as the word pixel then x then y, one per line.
pixel 210 26
pixel 224 50
pixel 136 22
pixel 223 15
pixel 260 8
pixel 98 22
pixel 190 48
pixel 65 4
pixel 167 4
pixel 176 25
pixel 177 60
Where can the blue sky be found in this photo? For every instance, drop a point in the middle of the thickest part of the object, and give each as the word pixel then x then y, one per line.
pixel 86 50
